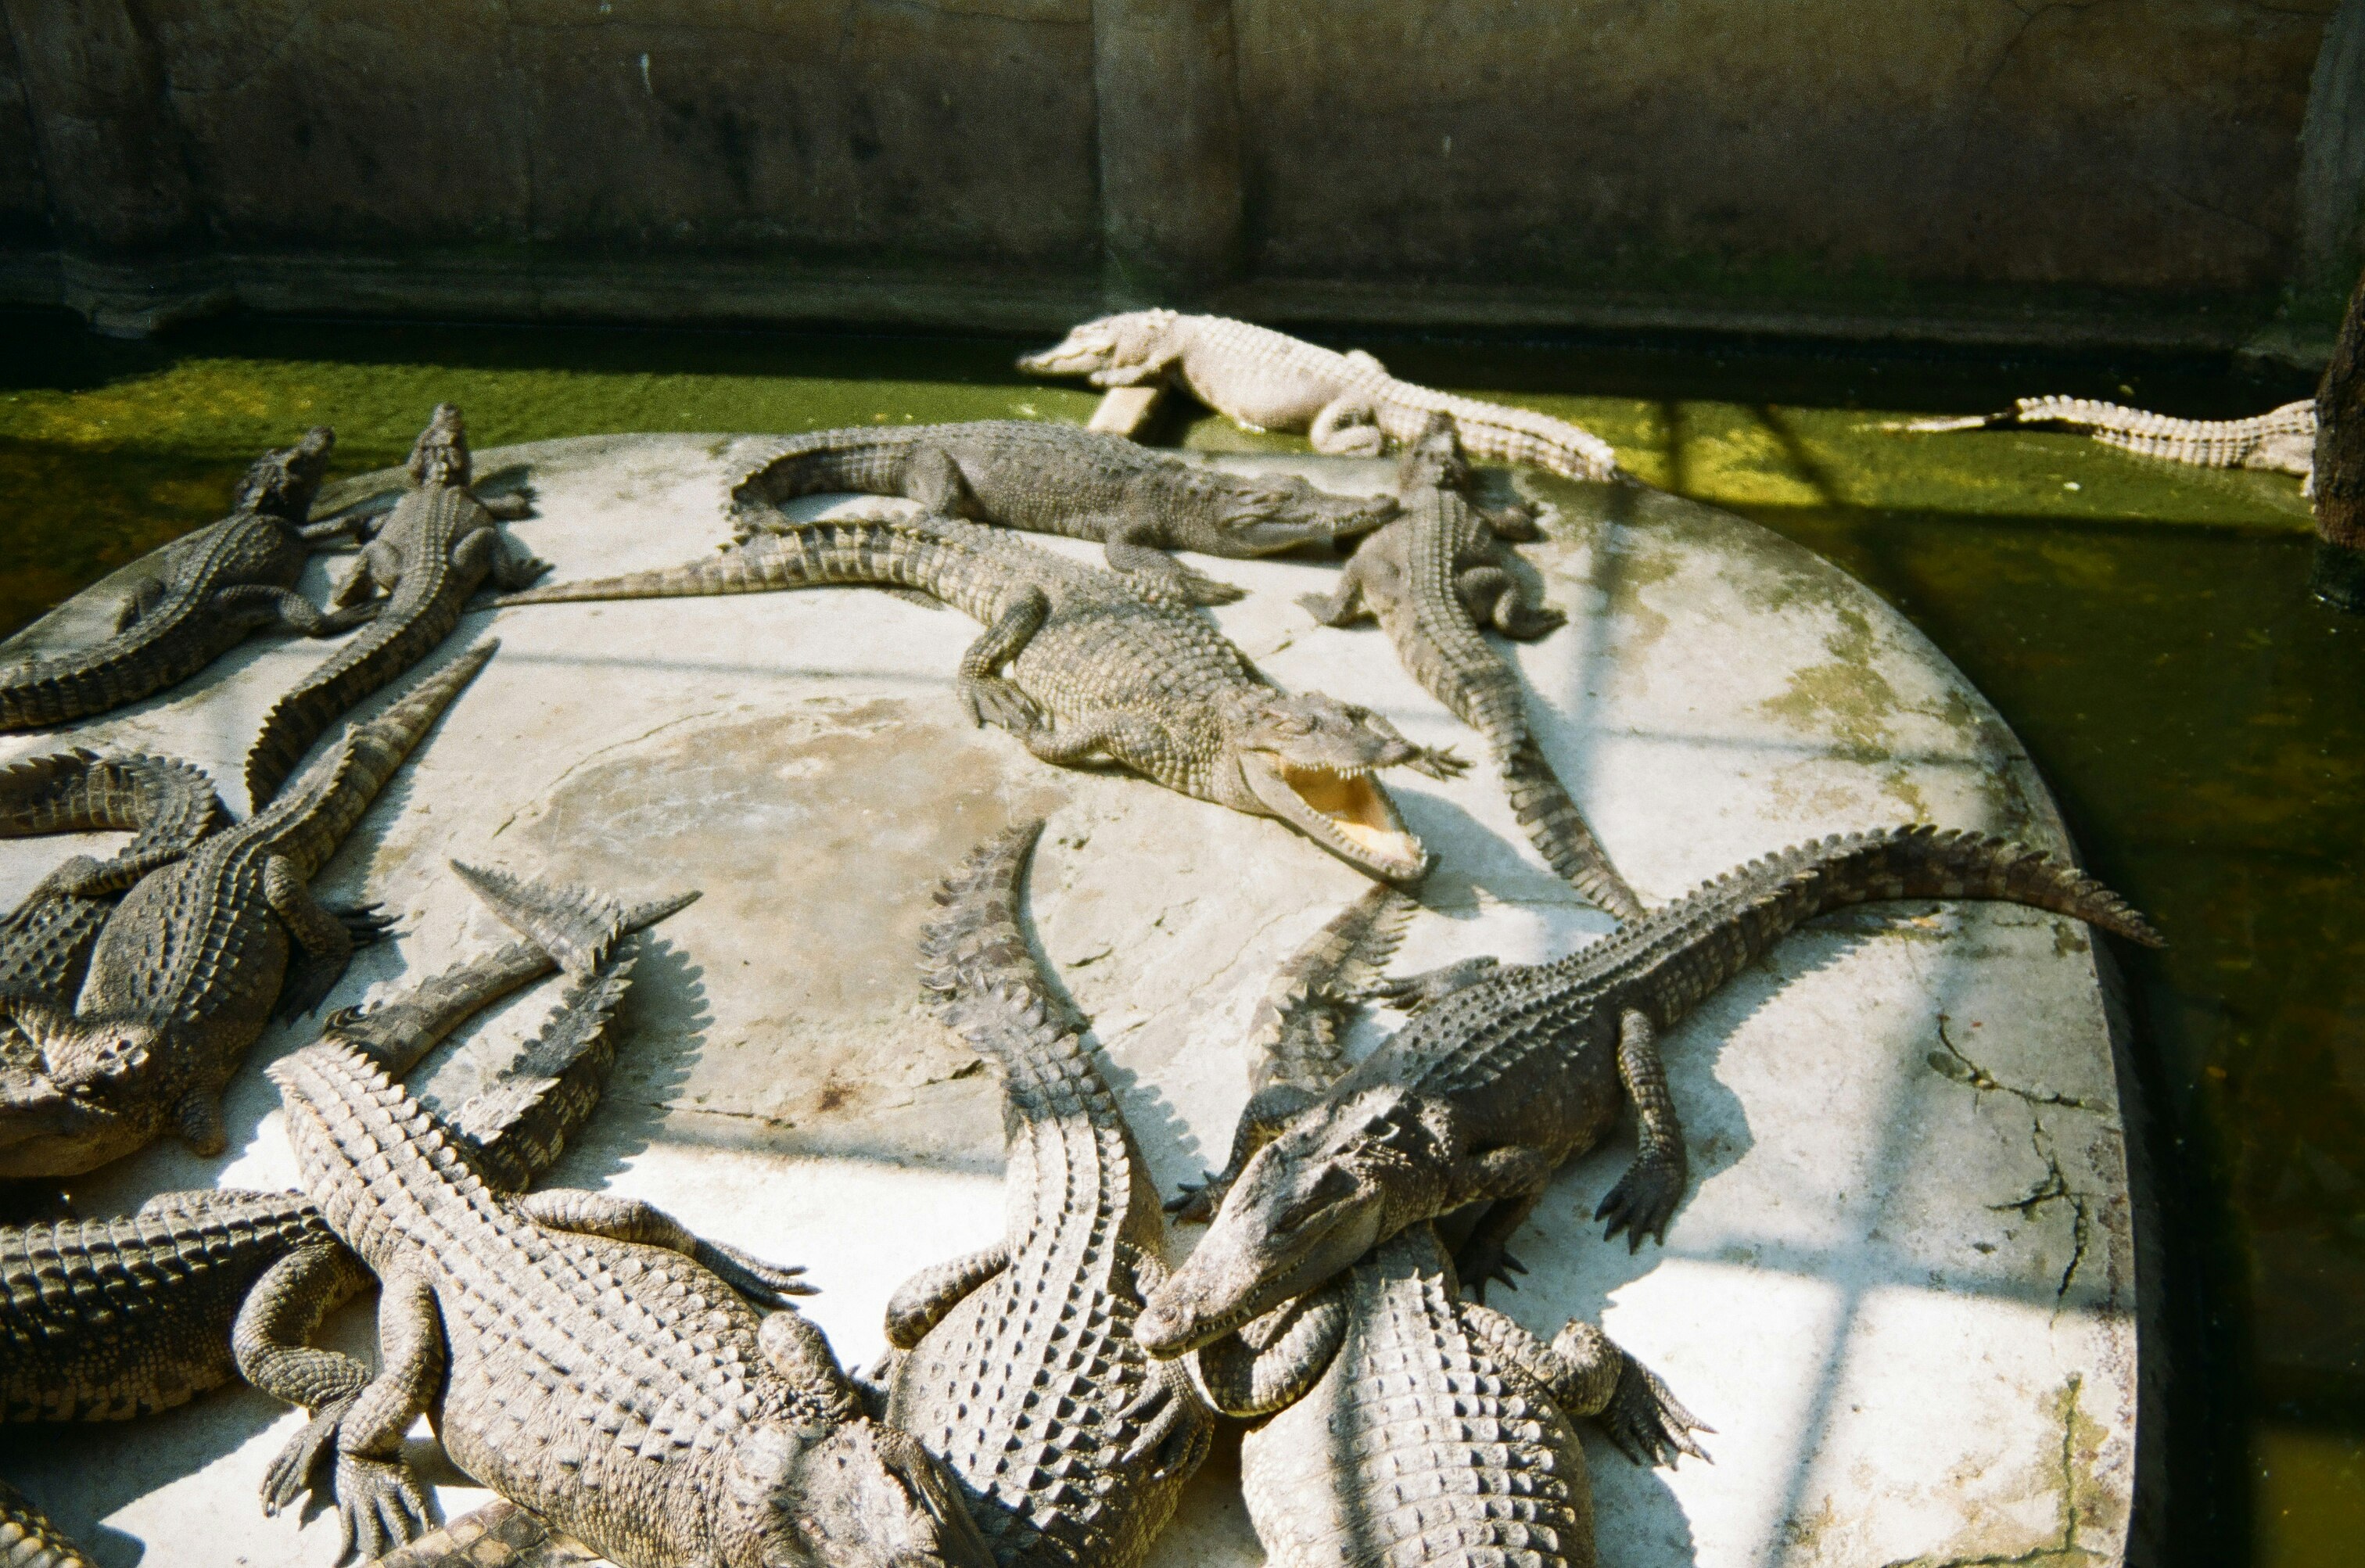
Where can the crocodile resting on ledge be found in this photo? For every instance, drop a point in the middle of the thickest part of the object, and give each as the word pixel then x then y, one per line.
pixel 1348 404
pixel 2281 441
pixel 1051 478
pixel 218 586
pixel 1505 1072
pixel 1384 1373
pixel 106 1320
pixel 1432 577
pixel 1119 670
pixel 437 548
pixel 189 967
pixel 1016 1365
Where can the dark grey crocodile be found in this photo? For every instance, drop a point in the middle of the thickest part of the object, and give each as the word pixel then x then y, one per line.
pixel 1505 1072
pixel 216 589
pixel 587 1358
pixel 440 544
pixel 1117 670
pixel 1384 1373
pixel 1432 578
pixel 167 806
pixel 188 968
pixel 1016 1365
pixel 106 1320
pixel 1053 478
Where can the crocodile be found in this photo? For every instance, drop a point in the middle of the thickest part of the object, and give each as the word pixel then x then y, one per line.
pixel 1097 664
pixel 1384 1375
pixel 1503 1073
pixel 1346 403
pixel 107 1320
pixel 214 589
pixel 2281 440
pixel 436 548
pixel 1432 577
pixel 1015 1365
pixel 166 804
pixel 1051 478
pixel 585 1356
pixel 499 1535
pixel 187 968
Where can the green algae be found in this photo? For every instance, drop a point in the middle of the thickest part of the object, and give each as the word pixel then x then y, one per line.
pixel 2146 628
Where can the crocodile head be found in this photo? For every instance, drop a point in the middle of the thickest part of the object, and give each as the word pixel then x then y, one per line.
pixel 86 1098
pixel 1097 348
pixel 282 482
pixel 856 1494
pixel 440 457
pixel 1260 515
pixel 1342 1178
pixel 1434 459
pixel 1309 759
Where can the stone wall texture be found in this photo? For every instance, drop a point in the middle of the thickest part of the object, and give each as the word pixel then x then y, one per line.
pixel 1012 159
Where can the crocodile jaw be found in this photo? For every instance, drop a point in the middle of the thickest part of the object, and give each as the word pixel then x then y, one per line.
pixel 1346 813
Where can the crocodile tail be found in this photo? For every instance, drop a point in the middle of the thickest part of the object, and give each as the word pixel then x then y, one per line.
pixel 839 461
pixel 1506 434
pixel 381 651
pixel 1295 1035
pixel 28 1539
pixel 975 965
pixel 576 926
pixel 919 553
pixel 517 1126
pixel 1560 832
pixel 312 816
pixel 1762 901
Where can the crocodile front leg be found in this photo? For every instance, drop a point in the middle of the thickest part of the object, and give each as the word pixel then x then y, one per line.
pixel 630 1220
pixel 1484 1255
pixel 1347 604
pixel 1410 993
pixel 1269 1362
pixel 271 1341
pixel 1116 735
pixel 380 1503
pixel 1261 1121
pixel 921 1302
pixel 1132 550
pixel 1174 1435
pixel 1645 1197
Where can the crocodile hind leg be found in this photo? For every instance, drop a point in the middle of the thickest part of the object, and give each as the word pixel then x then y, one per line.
pixel 629 1219
pixel 921 1302
pixel 379 568
pixel 380 1503
pixel 1131 551
pixel 326 938
pixel 139 602
pixel 484 553
pixel 262 606
pixel 1269 1362
pixel 1175 1431
pixel 1348 427
pixel 1493 598
pixel 271 1343
pixel 1645 1197
pixel 1484 1255
pixel 987 695
pixel 1584 1374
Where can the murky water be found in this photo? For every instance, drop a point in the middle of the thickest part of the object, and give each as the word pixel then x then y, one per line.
pixel 2147 629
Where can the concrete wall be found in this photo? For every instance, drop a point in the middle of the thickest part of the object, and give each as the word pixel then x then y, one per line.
pixel 1014 162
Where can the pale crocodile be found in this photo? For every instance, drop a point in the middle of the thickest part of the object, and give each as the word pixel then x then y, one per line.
pixel 191 965
pixel 1051 478
pixel 2281 440
pixel 1097 665
pixel 1505 1072
pixel 1346 403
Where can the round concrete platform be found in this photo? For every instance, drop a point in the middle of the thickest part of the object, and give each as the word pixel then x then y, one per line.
pixel 1902 1288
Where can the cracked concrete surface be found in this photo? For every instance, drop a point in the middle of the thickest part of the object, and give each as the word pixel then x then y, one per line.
pixel 1901 1287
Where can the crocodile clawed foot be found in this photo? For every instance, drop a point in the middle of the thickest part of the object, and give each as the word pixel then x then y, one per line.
pixel 998 702
pixel 1196 587
pixel 1643 1202
pixel 290 1477
pixel 763 1284
pixel 1481 1263
pixel 1439 762
pixel 1195 1204
pixel 1646 1423
pixel 380 1507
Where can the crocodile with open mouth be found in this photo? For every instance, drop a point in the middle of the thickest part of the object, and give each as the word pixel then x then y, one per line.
pixel 1097 664
pixel 1505 1072
pixel 191 966
pixel 1049 478
pixel 217 587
